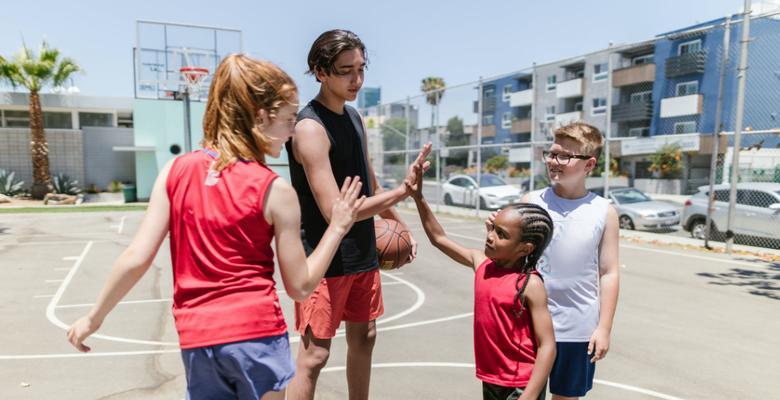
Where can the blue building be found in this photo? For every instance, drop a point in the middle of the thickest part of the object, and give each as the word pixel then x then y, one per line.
pixel 501 121
pixel 369 97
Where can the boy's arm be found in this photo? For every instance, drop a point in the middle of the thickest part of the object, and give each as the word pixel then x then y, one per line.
pixel 536 299
pixel 468 257
pixel 609 282
pixel 310 148
pixel 131 264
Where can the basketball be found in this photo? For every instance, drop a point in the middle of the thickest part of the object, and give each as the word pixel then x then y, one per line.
pixel 393 243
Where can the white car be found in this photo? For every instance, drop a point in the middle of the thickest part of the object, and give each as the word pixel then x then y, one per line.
pixel 493 194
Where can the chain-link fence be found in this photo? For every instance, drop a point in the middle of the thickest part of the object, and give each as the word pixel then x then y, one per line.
pixel 659 104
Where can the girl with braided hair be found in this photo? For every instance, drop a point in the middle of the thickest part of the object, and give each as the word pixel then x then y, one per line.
pixel 514 343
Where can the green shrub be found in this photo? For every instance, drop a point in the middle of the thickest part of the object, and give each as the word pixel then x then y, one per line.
pixel 9 185
pixel 63 184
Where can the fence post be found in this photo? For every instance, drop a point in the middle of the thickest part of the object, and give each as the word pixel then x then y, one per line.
pixel 724 62
pixel 741 75
pixel 479 141
pixel 406 139
pixel 608 134
pixel 532 179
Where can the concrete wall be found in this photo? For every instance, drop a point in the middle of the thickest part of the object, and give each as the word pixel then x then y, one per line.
pixel 101 163
pixel 65 153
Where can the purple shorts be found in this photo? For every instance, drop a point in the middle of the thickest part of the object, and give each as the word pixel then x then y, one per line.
pixel 240 370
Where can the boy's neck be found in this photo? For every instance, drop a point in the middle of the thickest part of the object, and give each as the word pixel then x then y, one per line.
pixel 330 100
pixel 563 192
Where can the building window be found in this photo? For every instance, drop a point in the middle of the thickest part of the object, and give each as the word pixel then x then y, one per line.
pixel 599 106
pixel 685 127
pixel 506 120
pixel 488 92
pixel 640 131
pixel 507 92
pixel 578 106
pixel 17 119
pixel 95 119
pixel 644 59
pixel 600 72
pixel 641 97
pixel 487 120
pixel 549 113
pixel 551 81
pixel 57 120
pixel 687 88
pixel 689 47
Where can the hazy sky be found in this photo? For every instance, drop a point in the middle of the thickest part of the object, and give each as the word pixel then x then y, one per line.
pixel 407 40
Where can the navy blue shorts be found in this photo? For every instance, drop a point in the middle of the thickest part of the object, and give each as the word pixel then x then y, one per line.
pixel 240 370
pixel 572 372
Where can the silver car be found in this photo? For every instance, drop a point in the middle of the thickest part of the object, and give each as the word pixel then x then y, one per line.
pixel 638 211
pixel 756 214
pixel 494 193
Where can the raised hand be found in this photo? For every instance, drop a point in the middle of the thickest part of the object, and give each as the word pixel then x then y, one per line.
pixel 491 220
pixel 345 209
pixel 419 166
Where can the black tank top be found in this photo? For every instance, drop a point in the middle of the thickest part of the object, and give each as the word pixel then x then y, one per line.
pixel 357 252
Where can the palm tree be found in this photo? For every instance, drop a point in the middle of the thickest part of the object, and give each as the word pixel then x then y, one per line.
pixel 432 87
pixel 34 72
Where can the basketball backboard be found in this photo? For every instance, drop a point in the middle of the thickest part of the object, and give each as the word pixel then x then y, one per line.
pixel 163 48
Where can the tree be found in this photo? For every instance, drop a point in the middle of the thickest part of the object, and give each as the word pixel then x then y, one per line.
pixel 667 161
pixel 393 137
pixel 34 72
pixel 432 87
pixel 456 135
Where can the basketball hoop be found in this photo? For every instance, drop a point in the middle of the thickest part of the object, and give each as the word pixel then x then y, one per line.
pixel 193 78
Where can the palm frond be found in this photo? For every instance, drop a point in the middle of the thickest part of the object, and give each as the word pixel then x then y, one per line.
pixel 65 69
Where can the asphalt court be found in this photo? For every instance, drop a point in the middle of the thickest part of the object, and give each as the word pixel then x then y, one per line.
pixel 689 325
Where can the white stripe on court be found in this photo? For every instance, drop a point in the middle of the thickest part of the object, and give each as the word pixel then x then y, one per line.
pixel 120 303
pixel 52 317
pixel 78 354
pixel 120 226
pixel 422 364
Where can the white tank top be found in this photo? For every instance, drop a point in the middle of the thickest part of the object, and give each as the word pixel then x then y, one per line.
pixel 570 264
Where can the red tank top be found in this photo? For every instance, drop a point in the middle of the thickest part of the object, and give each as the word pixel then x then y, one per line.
pixel 221 252
pixel 504 345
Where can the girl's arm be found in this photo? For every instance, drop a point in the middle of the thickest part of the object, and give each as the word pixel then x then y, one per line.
pixel 131 265
pixel 536 300
pixel 300 274
pixel 468 257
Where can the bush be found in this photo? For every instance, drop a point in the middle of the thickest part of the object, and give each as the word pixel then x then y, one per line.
pixel 9 186
pixel 496 163
pixel 599 169
pixel 63 184
pixel 666 162
pixel 93 189
pixel 115 187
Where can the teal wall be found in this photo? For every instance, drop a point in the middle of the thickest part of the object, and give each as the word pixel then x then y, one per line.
pixel 160 124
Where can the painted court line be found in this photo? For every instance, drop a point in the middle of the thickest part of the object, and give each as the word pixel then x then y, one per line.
pixel 52 317
pixel 120 226
pixel 422 364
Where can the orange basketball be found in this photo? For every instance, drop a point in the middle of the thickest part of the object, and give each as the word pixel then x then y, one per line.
pixel 393 243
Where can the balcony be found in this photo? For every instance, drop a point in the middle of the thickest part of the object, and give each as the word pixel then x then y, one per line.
pixel 569 117
pixel 522 98
pixel 681 106
pixel 632 111
pixel 686 64
pixel 488 131
pixel 644 73
pixel 570 88
pixel 521 126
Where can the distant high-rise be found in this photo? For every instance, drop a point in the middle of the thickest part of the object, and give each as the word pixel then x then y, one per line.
pixel 369 97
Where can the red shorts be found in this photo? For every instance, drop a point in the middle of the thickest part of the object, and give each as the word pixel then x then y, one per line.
pixel 352 298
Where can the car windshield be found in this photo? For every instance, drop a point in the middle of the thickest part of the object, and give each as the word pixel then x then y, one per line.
pixel 630 196
pixel 490 180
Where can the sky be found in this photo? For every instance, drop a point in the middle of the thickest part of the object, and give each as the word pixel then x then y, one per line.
pixel 406 40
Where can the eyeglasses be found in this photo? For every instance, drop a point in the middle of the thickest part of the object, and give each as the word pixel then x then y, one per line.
pixel 564 159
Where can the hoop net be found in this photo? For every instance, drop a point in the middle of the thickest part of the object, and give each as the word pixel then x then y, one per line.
pixel 193 78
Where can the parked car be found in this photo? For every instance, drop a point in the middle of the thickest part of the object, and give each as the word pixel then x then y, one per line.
pixel 492 194
pixel 756 214
pixel 637 210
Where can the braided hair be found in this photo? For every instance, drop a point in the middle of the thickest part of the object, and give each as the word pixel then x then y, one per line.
pixel 537 229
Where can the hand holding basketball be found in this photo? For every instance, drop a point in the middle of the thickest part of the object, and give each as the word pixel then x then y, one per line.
pixel 345 208
pixel 393 243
